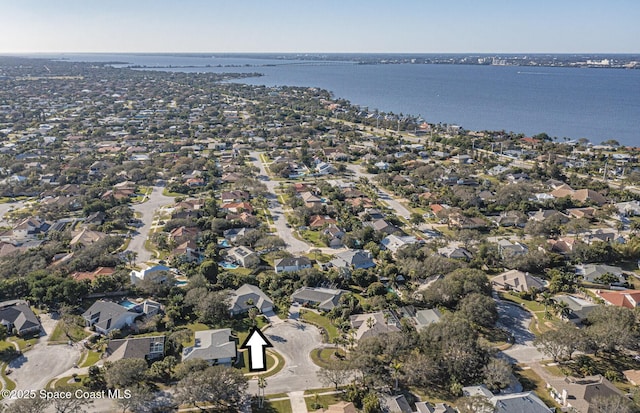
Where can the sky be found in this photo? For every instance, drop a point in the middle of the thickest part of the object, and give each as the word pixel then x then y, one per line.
pixel 321 26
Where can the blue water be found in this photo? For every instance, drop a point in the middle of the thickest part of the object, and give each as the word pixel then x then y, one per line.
pixel 228 265
pixel 127 304
pixel 597 104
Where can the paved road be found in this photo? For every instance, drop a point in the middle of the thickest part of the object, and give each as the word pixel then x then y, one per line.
pixel 384 195
pixel 294 245
pixel 147 209
pixel 34 369
pixel 294 341
pixel 516 320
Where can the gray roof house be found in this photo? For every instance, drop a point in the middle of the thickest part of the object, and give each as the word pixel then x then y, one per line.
pixel 374 324
pixel 519 281
pixel 214 346
pixel 147 348
pixel 243 256
pixel 248 296
pixel 591 272
pixel 426 407
pixel 353 259
pixel 579 309
pixel 16 314
pixel 289 264
pixel 520 403
pixel 393 242
pixel 325 298
pixel 106 316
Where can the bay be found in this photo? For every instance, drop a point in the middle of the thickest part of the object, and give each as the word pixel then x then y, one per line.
pixel 572 103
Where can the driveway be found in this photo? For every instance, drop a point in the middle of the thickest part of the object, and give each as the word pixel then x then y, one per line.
pixel 146 210
pixel 34 369
pixel 516 320
pixel 294 341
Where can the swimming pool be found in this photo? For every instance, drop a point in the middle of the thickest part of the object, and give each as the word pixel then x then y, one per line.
pixel 228 265
pixel 127 304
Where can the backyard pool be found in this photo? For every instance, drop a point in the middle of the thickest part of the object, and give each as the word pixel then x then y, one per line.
pixel 127 304
pixel 228 265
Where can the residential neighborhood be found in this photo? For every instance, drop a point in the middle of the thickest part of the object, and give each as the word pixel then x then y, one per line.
pixel 149 221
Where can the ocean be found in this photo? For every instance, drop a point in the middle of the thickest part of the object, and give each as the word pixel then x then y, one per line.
pixel 572 103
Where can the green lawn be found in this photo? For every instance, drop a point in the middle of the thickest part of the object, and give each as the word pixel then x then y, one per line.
pixel 280 406
pixel 321 321
pixel 5 344
pixel 272 356
pixel 24 343
pixel 532 382
pixel 325 357
pixel 313 237
pixel 324 400
pixel 76 333
pixel 91 358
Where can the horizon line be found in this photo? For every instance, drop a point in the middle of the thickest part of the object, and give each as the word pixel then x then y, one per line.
pixel 317 52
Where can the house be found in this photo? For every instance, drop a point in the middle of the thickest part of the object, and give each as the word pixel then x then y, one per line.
pixel 579 394
pixel 86 237
pixel 353 260
pixel 334 236
pixel 17 315
pixel 310 200
pixel 593 272
pixel 462 222
pixel 233 233
pixel 341 407
pixel 587 213
pixel 624 298
pixel 318 221
pixel 426 407
pixel 579 309
pixel 324 168
pixel 526 402
pixel 562 245
pixel 374 324
pixel 188 251
pixel 181 234
pixel 324 298
pixel 234 196
pixel 248 296
pixel 156 274
pixel 631 208
pixel 146 348
pixel 92 275
pixel 457 253
pixel 214 346
pixel 106 316
pixel 510 250
pixel 383 226
pixel 519 281
pixel 397 404
pixel 393 242
pixel 289 264
pixel 243 256
pixel 236 207
pixel 543 215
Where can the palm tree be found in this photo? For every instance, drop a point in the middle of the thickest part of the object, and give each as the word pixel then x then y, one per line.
pixel 562 309
pixel 396 366
pixel 262 383
pixel 547 300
